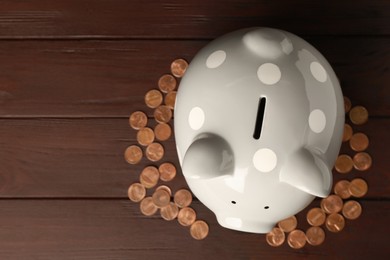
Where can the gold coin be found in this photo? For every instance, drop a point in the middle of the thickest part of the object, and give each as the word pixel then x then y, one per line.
pixel 315 236
pixel 358 115
pixel 169 212
pixel 145 136
pixel 335 222
pixel 154 152
pixel 347 104
pixel 332 204
pixel 179 67
pixel 316 217
pixel 161 198
pixel 359 142
pixel 136 192
pixel 186 216
pixel 352 209
pixel 199 230
pixel 344 163
pixel 149 176
pixel 166 188
pixel 296 239
pixel 362 161
pixel 167 171
pixel 147 206
pixel 347 132
pixel 133 154
pixel 358 188
pixel 167 83
pixel 162 114
pixel 341 188
pixel 288 224
pixel 138 120
pixel 170 99
pixel 183 198
pixel 275 237
pixel 153 98
pixel 162 131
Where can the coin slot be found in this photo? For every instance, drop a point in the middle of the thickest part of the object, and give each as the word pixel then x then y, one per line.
pixel 233 202
pixel 259 118
pixel 266 207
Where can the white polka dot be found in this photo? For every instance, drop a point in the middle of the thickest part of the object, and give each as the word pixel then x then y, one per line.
pixel 196 118
pixel 215 59
pixel 264 160
pixel 317 121
pixel 269 73
pixel 318 71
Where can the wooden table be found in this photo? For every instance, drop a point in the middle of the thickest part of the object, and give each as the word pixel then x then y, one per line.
pixel 71 72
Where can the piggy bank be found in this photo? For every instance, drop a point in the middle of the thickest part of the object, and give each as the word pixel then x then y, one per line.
pixel 259 118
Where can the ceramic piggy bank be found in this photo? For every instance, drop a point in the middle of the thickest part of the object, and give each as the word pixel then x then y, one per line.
pixel 259 118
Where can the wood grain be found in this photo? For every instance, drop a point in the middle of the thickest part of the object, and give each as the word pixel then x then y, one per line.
pixel 110 78
pixel 115 229
pixel 187 19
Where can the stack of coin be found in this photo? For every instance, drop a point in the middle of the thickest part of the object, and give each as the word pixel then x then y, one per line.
pixel 162 100
pixel 334 210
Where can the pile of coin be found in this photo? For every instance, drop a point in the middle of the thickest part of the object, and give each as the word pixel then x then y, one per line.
pixel 149 140
pixel 333 209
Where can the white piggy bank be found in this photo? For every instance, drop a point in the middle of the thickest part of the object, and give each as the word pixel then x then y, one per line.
pixel 259 119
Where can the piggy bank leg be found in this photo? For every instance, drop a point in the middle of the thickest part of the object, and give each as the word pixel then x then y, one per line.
pixel 207 157
pixel 307 171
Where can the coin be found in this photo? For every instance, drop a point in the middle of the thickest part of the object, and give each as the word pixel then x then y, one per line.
pixel 153 98
pixel 332 204
pixel 183 198
pixel 358 115
pixel 358 188
pixel 344 163
pixel 288 224
pixel 335 222
pixel 166 188
pixel 167 171
pixel 199 230
pixel 352 209
pixel 138 120
pixel 186 216
pixel 136 192
pixel 316 217
pixel 362 161
pixel 341 188
pixel 154 152
pixel 145 136
pixel 162 114
pixel 179 67
pixel 296 239
pixel 347 104
pixel 347 132
pixel 147 206
pixel 133 154
pixel 275 237
pixel 359 142
pixel 169 212
pixel 170 99
pixel 149 176
pixel 167 83
pixel 315 236
pixel 162 131
pixel 161 198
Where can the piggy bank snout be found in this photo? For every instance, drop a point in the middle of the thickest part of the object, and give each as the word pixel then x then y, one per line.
pixel 209 156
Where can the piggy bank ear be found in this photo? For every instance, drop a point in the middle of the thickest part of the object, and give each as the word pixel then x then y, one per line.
pixel 306 171
pixel 209 156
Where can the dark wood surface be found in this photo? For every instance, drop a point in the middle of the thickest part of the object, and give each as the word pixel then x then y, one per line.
pixel 71 72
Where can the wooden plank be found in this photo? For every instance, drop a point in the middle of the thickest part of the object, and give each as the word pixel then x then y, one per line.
pixel 188 19
pixel 114 229
pixel 77 158
pixel 110 78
